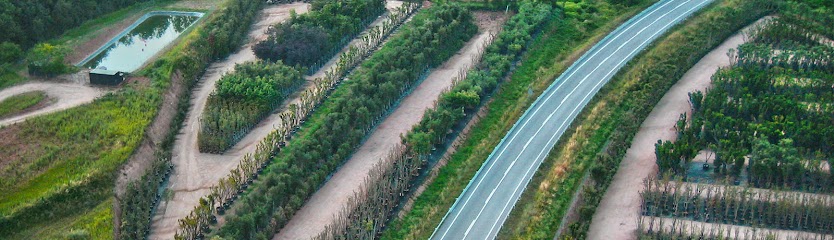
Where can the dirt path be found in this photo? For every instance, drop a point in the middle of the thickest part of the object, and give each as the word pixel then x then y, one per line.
pixel 195 172
pixel 736 232
pixel 66 95
pixel 616 214
pixel 321 209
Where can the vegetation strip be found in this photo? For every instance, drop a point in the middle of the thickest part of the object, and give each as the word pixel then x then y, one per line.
pixel 341 124
pixel 307 41
pixel 19 103
pixel 228 189
pixel 661 228
pixel 738 206
pixel 223 31
pixel 242 99
pixel 766 120
pixel 630 95
pixel 391 179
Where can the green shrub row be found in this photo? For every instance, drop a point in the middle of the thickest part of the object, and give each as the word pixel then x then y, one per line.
pixel 311 39
pixel 242 99
pixel 344 120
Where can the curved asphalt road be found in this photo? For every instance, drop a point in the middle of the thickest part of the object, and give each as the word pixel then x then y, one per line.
pixel 483 207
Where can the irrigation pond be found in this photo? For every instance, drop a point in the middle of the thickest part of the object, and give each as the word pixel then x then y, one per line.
pixel 141 41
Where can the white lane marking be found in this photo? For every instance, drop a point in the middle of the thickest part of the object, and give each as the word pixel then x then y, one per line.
pixel 581 82
pixel 515 134
pixel 561 127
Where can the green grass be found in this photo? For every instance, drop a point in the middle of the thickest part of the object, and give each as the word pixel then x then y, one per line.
pixel 550 54
pixel 9 78
pixel 96 223
pixel 16 104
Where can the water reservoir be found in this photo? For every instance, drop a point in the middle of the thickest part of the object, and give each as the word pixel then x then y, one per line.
pixel 141 41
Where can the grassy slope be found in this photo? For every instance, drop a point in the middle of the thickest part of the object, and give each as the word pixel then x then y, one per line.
pixel 15 104
pixel 549 55
pixel 81 145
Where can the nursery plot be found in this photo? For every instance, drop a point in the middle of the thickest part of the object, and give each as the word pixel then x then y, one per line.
pixel 199 172
pixel 337 127
pixel 620 205
pixel 764 122
pixel 323 207
pixel 196 172
pixel 657 228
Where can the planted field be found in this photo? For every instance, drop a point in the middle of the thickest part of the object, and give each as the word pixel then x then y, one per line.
pixel 243 98
pixel 342 121
pixel 767 117
pixel 238 167
pixel 307 41
pixel 324 207
pixel 747 118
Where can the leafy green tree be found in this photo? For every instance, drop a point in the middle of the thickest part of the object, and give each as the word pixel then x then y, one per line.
pixel 10 53
pixel 47 59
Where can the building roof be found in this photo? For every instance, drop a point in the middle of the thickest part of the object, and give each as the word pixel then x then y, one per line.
pixel 106 72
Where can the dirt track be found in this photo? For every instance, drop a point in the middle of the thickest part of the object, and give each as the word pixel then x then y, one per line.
pixel 194 172
pixel 328 201
pixel 617 213
pixel 66 95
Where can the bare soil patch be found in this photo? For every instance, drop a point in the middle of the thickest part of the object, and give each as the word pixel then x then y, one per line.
pixel 321 209
pixel 617 213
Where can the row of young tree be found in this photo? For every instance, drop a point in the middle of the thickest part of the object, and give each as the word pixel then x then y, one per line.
pixel 657 71
pixel 738 206
pixel 308 40
pixel 390 181
pixel 241 99
pixel 219 34
pixel 352 111
pixel 228 189
pixel 659 228
pixel 769 115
